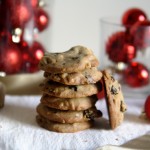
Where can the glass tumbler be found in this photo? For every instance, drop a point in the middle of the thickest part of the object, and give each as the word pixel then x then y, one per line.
pixel 24 26
pixel 25 35
pixel 126 53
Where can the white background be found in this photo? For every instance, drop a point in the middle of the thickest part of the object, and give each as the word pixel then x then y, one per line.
pixel 78 21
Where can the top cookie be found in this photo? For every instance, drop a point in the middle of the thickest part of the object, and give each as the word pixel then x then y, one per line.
pixel 114 99
pixel 75 59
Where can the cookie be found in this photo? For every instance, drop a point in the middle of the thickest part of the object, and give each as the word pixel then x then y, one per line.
pixel 75 59
pixel 69 103
pixel 114 99
pixel 63 116
pixel 87 76
pixel 61 127
pixel 71 91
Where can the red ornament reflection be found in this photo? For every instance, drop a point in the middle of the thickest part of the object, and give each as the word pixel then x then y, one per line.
pixel 119 47
pixel 36 53
pixel 141 34
pixel 136 75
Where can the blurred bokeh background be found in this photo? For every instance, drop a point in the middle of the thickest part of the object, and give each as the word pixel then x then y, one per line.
pixel 78 21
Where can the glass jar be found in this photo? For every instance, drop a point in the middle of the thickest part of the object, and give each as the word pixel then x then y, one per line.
pixel 22 34
pixel 25 33
pixel 125 53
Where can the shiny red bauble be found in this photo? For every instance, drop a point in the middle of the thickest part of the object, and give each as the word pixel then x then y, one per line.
pixel 141 34
pixel 37 50
pixel 119 47
pixel 132 16
pixel 147 107
pixel 11 58
pixel 42 19
pixel 136 75
pixel 36 53
pixel 20 14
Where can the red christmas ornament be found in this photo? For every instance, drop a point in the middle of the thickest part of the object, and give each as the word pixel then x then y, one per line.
pixel 11 59
pixel 36 53
pixel 20 13
pixel 37 50
pixel 41 19
pixel 136 75
pixel 132 16
pixel 141 34
pixel 147 107
pixel 120 48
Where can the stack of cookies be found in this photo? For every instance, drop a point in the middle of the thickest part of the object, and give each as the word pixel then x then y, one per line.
pixel 69 90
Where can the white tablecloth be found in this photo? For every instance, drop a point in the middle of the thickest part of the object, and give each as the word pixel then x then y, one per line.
pixel 19 130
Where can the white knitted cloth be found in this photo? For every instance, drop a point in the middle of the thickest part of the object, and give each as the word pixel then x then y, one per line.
pixel 19 130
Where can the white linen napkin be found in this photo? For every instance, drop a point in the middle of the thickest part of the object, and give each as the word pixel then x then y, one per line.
pixel 19 130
